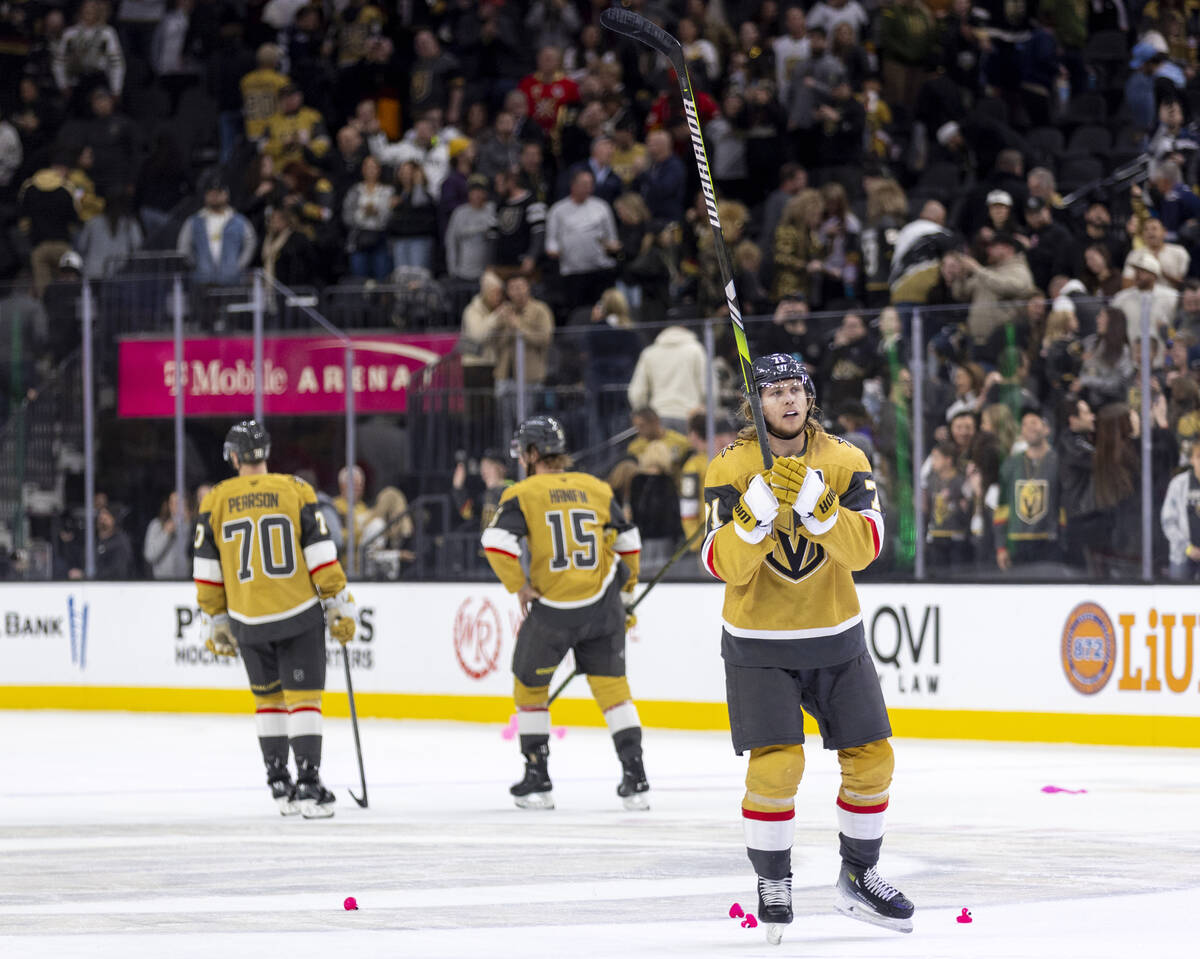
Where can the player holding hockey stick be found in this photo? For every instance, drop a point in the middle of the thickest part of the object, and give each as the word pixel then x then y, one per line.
pixel 785 541
pixel 264 567
pixel 583 559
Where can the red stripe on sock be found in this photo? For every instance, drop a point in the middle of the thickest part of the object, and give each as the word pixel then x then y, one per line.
pixel 305 709
pixel 768 816
pixel 270 710
pixel 862 809
pixel 533 709
pixel 208 582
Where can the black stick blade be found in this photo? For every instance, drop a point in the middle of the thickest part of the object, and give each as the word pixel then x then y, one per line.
pixel 636 27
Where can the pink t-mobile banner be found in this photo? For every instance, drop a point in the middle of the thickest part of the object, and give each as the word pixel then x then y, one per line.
pixel 301 374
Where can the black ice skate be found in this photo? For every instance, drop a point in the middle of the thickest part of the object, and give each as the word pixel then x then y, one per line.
pixel 775 906
pixel 862 894
pixel 534 791
pixel 314 800
pixel 283 790
pixel 634 790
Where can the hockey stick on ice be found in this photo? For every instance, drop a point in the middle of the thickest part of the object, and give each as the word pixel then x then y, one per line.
pixel 683 547
pixel 354 725
pixel 636 27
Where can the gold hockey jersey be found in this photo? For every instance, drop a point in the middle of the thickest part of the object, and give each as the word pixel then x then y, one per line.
pixel 262 553
pixel 790 600
pixel 577 535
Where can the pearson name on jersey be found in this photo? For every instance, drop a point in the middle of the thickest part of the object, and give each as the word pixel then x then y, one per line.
pixel 576 532
pixel 262 552
pixel 790 600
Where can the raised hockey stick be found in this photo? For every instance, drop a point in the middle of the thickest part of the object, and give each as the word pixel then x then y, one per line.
pixel 683 547
pixel 354 725
pixel 636 27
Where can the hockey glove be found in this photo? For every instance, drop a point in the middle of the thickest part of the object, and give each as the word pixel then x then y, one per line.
pixel 341 614
pixel 754 514
pixel 817 504
pixel 787 476
pixel 220 641
pixel 627 600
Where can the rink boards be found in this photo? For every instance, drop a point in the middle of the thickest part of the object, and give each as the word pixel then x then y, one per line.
pixel 1065 663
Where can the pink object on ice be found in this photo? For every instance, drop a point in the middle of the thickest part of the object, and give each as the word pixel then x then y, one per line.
pixel 350 903
pixel 1059 789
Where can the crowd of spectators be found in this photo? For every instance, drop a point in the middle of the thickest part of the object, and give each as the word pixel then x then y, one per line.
pixel 1020 173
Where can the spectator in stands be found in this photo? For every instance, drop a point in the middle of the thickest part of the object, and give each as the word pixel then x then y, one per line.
pixel 114 552
pixel 1098 228
pixel 296 132
pixel 107 241
pixel 1076 461
pixel 581 234
pixel 532 319
pixel 788 332
pixel 1171 140
pixel 454 188
pixel 791 49
pixel 217 240
pixel 1098 274
pixel 1147 290
pixel 88 53
pixel 908 44
pixel 357 22
pixel 421 145
pixel 519 231
pixel 670 377
pixel 288 255
pixel 663 183
pixel 1027 518
pixel 653 502
pixel 169 57
pixel 1108 367
pixel 1170 199
pixel 37 115
pixel 48 212
pixel 365 214
pixel 476 502
pixel 917 255
pixel 12 155
pixel 136 22
pixel 1117 483
pixel 797 243
pixel 949 507
pixel 1008 176
pixel 413 225
pixel 261 89
pixel 111 137
pixel 548 90
pixel 850 360
pixel 1180 518
pixel 607 185
pixel 650 430
pixel 469 251
pixel 436 81
pixel 996 292
pixel 1060 359
pixel 499 150
pixel 163 550
pixel 1187 315
pixel 1173 259
pixel 1049 247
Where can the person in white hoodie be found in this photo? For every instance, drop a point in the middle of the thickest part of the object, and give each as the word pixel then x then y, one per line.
pixel 670 377
pixel 1180 519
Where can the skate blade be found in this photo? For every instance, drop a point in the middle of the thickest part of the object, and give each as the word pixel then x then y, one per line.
pixel 638 802
pixel 311 809
pixel 848 906
pixel 287 807
pixel 775 933
pixel 535 801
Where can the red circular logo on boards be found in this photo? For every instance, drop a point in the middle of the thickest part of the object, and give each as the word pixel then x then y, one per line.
pixel 1089 648
pixel 477 638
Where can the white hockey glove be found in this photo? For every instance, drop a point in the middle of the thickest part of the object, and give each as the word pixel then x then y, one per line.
pixel 817 504
pixel 218 636
pixel 341 614
pixel 754 514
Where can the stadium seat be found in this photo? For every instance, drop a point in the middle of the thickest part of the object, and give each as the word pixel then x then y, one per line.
pixel 1089 140
pixel 1078 171
pixel 1047 145
pixel 1085 108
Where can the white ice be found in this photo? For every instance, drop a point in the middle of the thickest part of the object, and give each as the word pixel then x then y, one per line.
pixel 140 836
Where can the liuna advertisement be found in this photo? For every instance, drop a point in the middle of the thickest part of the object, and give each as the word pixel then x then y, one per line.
pixel 1070 663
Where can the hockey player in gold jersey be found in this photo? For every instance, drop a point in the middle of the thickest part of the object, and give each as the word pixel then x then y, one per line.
pixel 786 541
pixel 267 575
pixel 583 558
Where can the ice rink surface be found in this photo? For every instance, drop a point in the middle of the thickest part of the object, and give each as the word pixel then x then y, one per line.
pixel 141 836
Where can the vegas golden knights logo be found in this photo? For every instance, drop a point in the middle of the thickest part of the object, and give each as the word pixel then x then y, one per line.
pixel 1033 498
pixel 796 557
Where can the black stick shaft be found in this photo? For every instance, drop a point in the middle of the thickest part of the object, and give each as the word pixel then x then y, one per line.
pixel 354 725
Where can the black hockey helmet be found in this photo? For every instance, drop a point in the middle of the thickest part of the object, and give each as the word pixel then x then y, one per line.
pixel 775 367
pixel 544 433
pixel 250 440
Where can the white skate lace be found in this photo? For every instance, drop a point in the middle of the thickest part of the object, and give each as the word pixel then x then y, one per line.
pixel 775 892
pixel 878 886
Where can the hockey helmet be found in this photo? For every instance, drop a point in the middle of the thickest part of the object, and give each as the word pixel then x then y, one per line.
pixel 250 440
pixel 544 433
pixel 775 367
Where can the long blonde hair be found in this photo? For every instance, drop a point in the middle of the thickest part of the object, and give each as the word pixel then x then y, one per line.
pixel 613 303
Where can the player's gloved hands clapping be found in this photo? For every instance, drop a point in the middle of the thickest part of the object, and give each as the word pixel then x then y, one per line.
pixel 218 634
pixel 786 477
pixel 754 514
pixel 341 614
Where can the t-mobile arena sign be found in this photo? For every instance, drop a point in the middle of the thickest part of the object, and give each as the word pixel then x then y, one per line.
pixel 301 374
